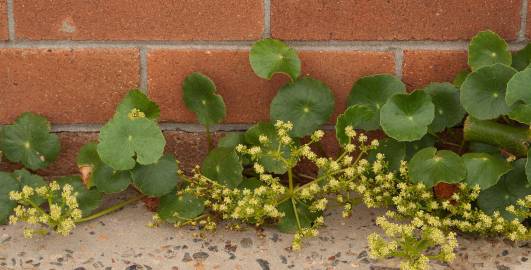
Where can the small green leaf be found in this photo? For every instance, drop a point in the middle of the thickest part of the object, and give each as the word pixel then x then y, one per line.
pixel 448 109
pixel 251 183
pixel 483 91
pixel 108 180
pixel 355 116
pixel 8 183
pixel 307 103
pixel 510 188
pixel 200 97
pixel 518 88
pixel 394 152
pixel 487 48
pixel 88 155
pixel 406 117
pixel 288 223
pixel 88 199
pixel 175 208
pixel 270 56
pixel 29 141
pixel 270 163
pixel 157 179
pixel 123 139
pixel 430 167
pixel 460 78
pixel 413 147
pixel 522 58
pixel 223 166
pixel 135 99
pixel 25 178
pixel 484 170
pixel 521 112
pixel 374 91
pixel 478 147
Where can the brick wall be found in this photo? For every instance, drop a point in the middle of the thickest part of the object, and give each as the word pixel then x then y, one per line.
pixel 73 60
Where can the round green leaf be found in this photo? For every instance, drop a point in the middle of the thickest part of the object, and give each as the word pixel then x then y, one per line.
pixel 135 99
pixel 270 163
pixel 355 116
pixel 88 155
pixel 374 91
pixel 288 223
pixel 484 170
pixel 406 117
pixel 430 167
pixel 88 199
pixel 483 91
pixel 522 58
pixel 123 139
pixel 175 208
pixel 413 147
pixel 26 178
pixel 8 183
pixel 448 109
pixel 232 139
pixel 29 141
pixel 270 56
pixel 156 179
pixel 199 96
pixel 394 152
pixel 519 88
pixel 107 180
pixel 460 78
pixel 510 188
pixel 521 112
pixel 487 48
pixel 478 147
pixel 223 166
pixel 307 103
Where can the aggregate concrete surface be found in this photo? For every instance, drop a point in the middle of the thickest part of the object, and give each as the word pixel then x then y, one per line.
pixel 123 241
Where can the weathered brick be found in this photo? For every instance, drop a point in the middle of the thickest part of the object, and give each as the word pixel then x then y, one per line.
pixel 392 19
pixel 423 67
pixel 65 85
pixel 248 97
pixel 139 20
pixel 3 20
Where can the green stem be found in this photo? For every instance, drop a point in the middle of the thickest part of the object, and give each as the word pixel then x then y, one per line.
pixel 290 178
pixel 209 138
pixel 296 213
pixel 111 209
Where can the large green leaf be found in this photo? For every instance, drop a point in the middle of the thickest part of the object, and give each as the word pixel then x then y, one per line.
pixel 88 199
pixel 374 91
pixel 413 147
pixel 251 183
pixel 406 117
pixel 519 88
pixel 157 179
pixel 483 91
pixel 460 78
pixel 510 188
pixel 288 223
pixel 448 109
pixel 200 97
pixel 232 139
pixel 394 152
pixel 270 56
pixel 26 178
pixel 270 163
pixel 487 48
pixel 484 170
pixel 355 116
pixel 223 166
pixel 8 183
pixel 479 147
pixel 122 140
pixel 430 167
pixel 307 103
pixel 522 58
pixel 29 141
pixel 521 112
pixel 135 99
pixel 175 208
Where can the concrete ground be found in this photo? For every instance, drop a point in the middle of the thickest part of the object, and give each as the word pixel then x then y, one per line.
pixel 123 241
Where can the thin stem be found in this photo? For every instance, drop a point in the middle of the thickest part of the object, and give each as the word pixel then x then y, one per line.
pixel 209 138
pixel 290 178
pixel 296 213
pixel 111 209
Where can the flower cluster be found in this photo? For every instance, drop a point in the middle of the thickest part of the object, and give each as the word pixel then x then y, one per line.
pixel 63 209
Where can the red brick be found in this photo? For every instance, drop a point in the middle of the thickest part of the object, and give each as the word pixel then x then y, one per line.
pixel 65 85
pixel 423 67
pixel 139 20
pixel 248 97
pixel 392 19
pixel 3 20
